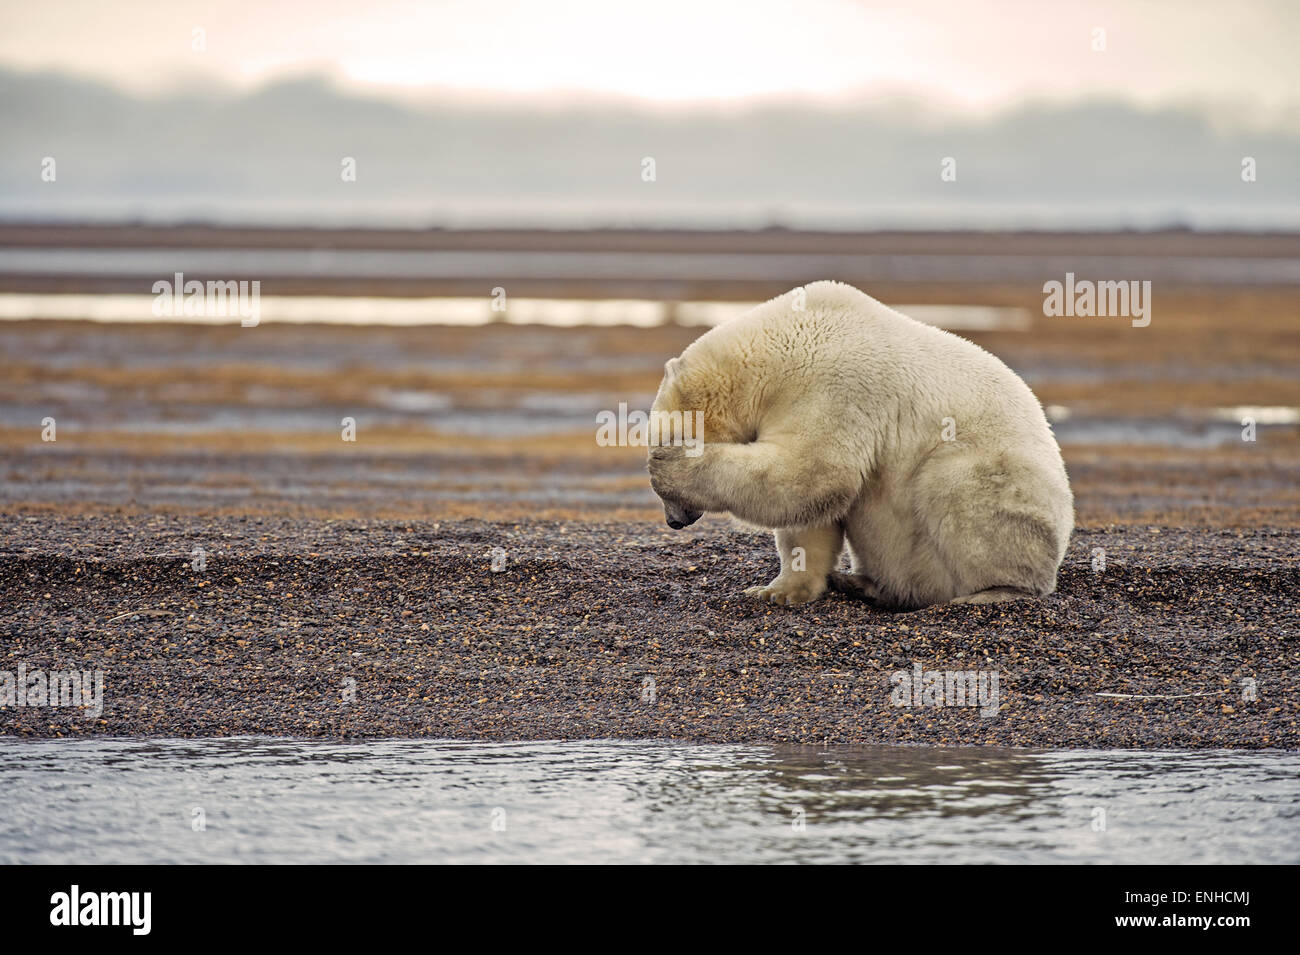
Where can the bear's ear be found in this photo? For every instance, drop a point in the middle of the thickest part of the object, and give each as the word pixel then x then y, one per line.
pixel 673 367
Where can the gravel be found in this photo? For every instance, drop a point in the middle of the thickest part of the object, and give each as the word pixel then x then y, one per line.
pixel 310 627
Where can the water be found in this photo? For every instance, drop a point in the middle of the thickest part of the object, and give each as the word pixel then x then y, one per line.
pixel 400 801
pixel 372 310
pixel 495 266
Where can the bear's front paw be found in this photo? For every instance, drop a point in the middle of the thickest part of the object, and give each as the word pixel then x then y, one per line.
pixel 669 471
pixel 664 458
pixel 789 591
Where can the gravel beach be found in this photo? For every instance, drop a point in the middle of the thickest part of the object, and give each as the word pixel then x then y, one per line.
pixel 358 628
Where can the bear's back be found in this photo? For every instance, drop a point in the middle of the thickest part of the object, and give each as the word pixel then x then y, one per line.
pixel 858 351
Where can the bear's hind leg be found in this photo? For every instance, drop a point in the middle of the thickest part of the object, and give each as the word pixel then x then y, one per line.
pixel 994 595
pixel 995 525
pixel 855 585
pixel 807 557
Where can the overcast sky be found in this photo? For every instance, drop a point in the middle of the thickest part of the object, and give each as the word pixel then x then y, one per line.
pixel 975 56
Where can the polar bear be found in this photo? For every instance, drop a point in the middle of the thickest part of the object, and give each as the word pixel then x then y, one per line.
pixel 831 418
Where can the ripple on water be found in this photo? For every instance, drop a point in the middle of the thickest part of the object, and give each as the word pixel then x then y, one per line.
pixel 263 800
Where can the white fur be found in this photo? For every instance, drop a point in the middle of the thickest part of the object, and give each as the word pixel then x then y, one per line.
pixel 826 424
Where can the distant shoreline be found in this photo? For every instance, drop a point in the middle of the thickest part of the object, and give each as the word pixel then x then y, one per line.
pixel 661 265
pixel 1170 241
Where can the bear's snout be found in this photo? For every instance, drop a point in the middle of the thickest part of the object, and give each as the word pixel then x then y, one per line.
pixel 677 516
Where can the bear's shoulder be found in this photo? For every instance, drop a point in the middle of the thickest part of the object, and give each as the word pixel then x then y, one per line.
pixel 830 303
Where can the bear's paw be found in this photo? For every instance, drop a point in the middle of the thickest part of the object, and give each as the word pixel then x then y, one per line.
pixel 789 591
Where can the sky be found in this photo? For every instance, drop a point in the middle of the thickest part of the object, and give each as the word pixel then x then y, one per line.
pixel 971 56
pixel 836 113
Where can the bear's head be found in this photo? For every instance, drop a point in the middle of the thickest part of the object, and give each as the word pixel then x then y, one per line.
pixel 693 405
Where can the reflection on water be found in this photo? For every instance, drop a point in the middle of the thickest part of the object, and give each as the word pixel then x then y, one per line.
pixel 371 310
pixel 269 800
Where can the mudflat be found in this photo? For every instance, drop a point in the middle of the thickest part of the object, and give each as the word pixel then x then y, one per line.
pixel 201 530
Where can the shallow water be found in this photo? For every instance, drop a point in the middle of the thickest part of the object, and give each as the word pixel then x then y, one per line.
pixel 400 801
pixel 594 265
pixel 369 310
